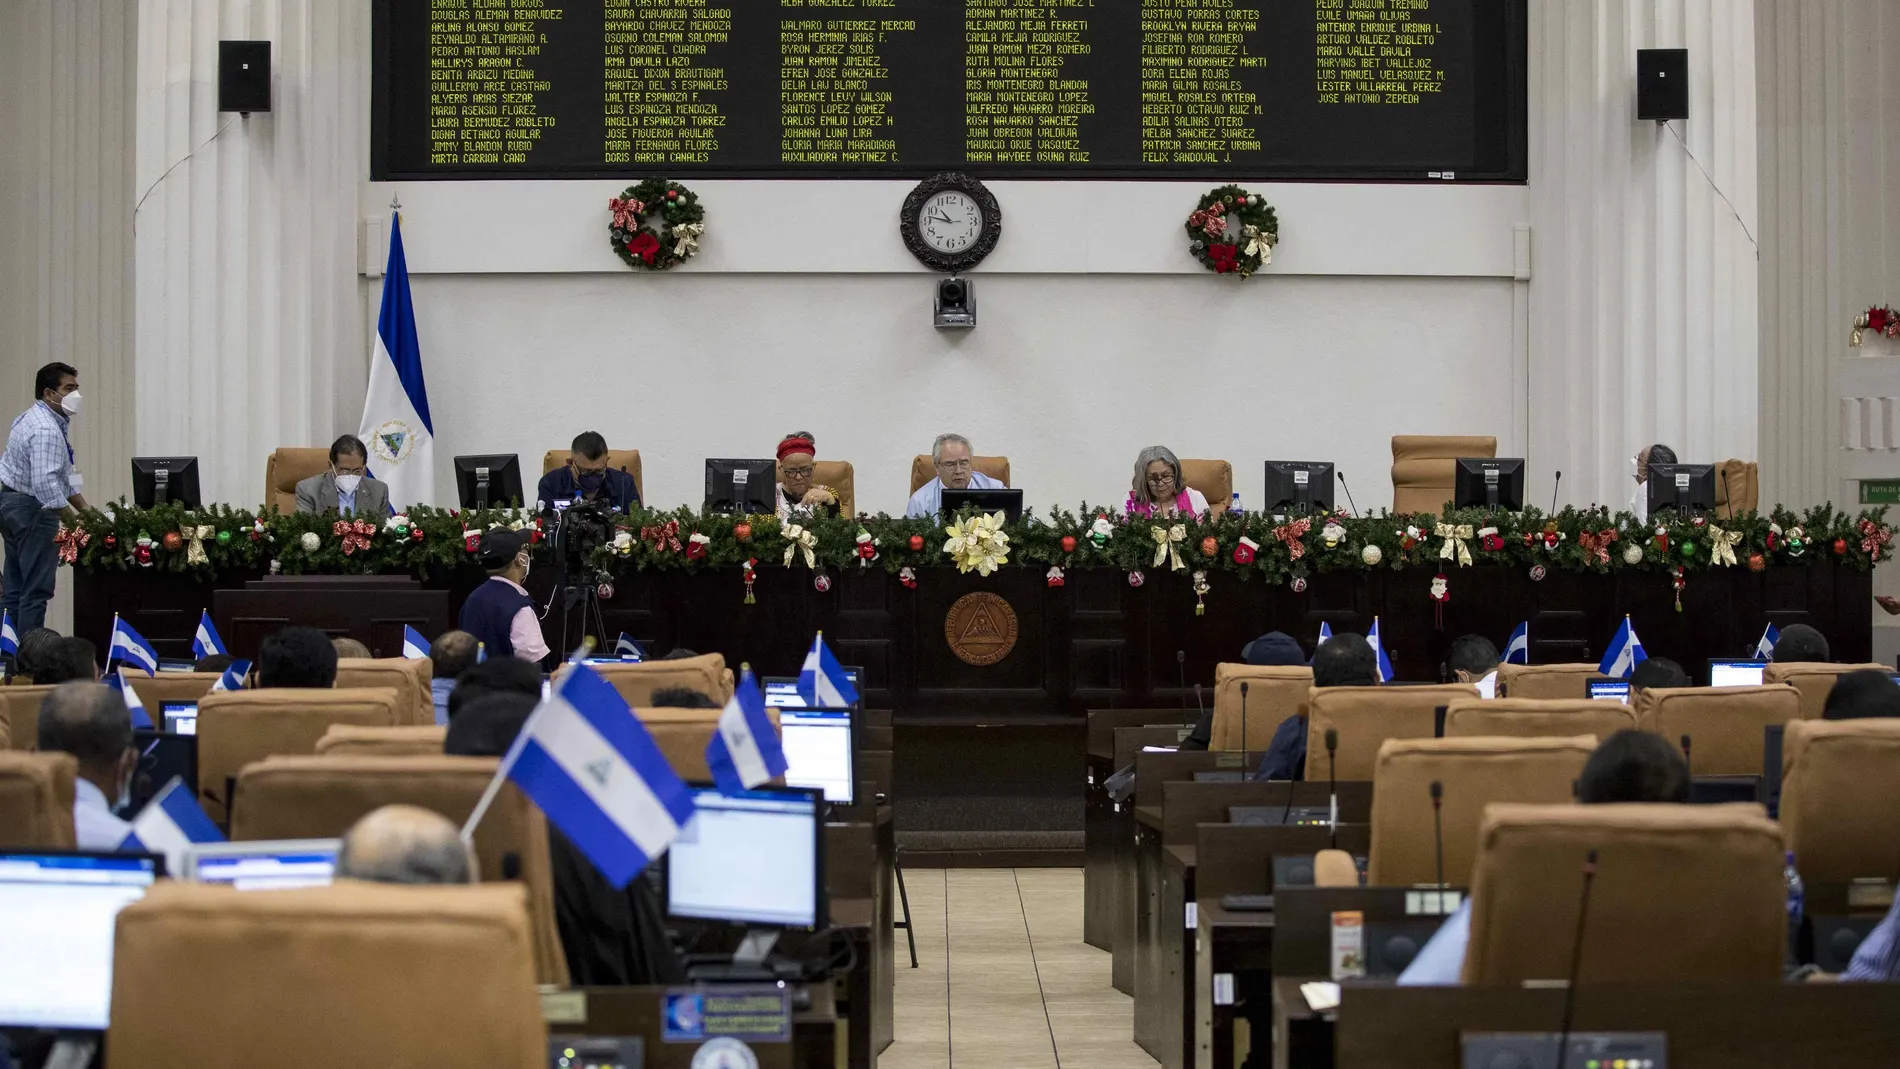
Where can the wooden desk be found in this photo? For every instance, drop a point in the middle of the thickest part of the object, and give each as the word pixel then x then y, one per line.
pixel 636 1011
pixel 1100 897
pixel 855 919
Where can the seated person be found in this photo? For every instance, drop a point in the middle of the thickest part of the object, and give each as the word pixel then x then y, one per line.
pixel 1654 454
pixel 501 675
pixel 1657 672
pixel 1158 491
pixel 955 471
pixel 69 660
pixel 346 487
pixel 1345 660
pixel 588 477
pixel 405 844
pixel 1860 695
pixel 214 662
pixel 797 494
pixel 348 648
pixel 1629 766
pixel 1274 647
pixel 451 654
pixel 499 612
pixel 35 646
pixel 1798 644
pixel 90 721
pixel 297 657
pixel 1877 958
pixel 681 698
pixel 1473 659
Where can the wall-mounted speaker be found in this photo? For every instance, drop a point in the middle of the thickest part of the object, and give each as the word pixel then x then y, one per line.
pixel 244 76
pixel 1662 84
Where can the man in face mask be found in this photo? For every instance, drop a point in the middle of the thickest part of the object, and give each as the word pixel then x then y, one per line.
pixel 37 486
pixel 346 487
pixel 588 476
pixel 90 721
pixel 499 612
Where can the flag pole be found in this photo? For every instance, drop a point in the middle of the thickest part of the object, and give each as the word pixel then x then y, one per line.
pixel 110 638
pixel 514 752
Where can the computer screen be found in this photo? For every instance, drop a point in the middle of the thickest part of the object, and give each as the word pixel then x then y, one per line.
pixel 57 912
pixel 781 692
pixel 1736 673
pixel 180 717
pixel 818 751
pixel 264 866
pixel 1612 690
pixel 749 858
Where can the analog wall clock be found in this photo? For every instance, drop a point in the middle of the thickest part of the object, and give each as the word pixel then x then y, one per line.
pixel 950 222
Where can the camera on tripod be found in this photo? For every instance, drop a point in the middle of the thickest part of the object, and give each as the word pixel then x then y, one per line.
pixel 579 528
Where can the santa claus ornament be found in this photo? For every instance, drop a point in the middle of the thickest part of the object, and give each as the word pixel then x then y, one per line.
pixel 1441 593
pixel 1053 577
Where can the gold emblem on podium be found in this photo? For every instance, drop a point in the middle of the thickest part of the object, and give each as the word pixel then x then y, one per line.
pixel 981 628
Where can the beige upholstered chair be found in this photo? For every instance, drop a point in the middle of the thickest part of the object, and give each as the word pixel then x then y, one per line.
pixel 349 740
pixel 1274 692
pixel 20 708
pixel 172 686
pixel 1530 718
pixel 236 728
pixel 1814 679
pixel 409 677
pixel 1725 725
pixel 1840 799
pixel 1424 468
pixel 842 478
pixel 1547 681
pixel 1367 716
pixel 627 460
pixel 288 466
pixel 1737 488
pixel 36 799
pixel 1213 478
pixel 706 673
pixel 682 735
pixel 922 470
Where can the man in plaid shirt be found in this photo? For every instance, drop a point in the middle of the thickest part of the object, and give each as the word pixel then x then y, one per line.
pixel 37 485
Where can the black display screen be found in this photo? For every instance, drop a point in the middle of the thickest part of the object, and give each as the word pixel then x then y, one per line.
pixel 1382 90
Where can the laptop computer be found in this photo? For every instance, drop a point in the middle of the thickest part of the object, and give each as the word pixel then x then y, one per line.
pixel 263 865
pixel 1727 672
pixel 1608 690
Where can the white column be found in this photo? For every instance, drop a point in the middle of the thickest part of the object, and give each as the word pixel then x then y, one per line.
pixel 248 312
pixel 1643 293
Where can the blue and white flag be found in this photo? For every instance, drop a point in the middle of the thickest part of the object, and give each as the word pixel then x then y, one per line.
pixel 822 682
pixel 169 824
pixel 414 646
pixel 129 647
pixel 627 649
pixel 1764 650
pixel 140 718
pixel 597 774
pixel 1378 649
pixel 745 751
pixel 1325 632
pixel 1518 649
pixel 233 677
pixel 396 423
pixel 9 640
pixel 206 642
pixel 1624 654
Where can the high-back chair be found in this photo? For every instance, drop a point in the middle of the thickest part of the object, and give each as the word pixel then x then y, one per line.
pixel 1725 725
pixel 325 976
pixel 20 708
pixel 409 677
pixel 408 740
pixel 1545 681
pixel 1815 680
pixel 923 469
pixel 287 466
pixel 627 460
pixel 842 479
pixel 1737 488
pixel 1367 716
pixel 1213 478
pixel 683 734
pixel 36 799
pixel 171 687
pixel 1274 692
pixel 1531 718
pixel 1840 799
pixel 1682 893
pixel 238 727
pixel 1472 773
pixel 320 797
pixel 1425 468
pixel 636 682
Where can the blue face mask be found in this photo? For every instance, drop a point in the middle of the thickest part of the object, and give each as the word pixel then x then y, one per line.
pixel 590 481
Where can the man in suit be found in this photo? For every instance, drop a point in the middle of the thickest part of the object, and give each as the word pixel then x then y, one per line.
pixel 346 487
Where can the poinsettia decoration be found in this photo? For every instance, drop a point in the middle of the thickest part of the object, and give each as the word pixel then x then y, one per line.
pixel 1881 320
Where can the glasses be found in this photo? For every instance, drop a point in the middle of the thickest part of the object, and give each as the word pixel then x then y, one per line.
pixel 360 469
pixel 954 465
pixel 1160 478
pixel 798 473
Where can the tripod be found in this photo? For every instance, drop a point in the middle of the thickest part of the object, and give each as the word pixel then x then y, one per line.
pixel 571 592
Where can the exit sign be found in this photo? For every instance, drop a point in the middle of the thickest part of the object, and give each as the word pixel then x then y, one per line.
pixel 1880 491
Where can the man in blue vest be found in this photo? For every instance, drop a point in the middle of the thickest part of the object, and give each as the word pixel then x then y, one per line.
pixel 499 613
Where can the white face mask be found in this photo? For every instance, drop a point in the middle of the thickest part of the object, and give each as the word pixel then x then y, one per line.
pixel 527 565
pixel 71 403
pixel 347 484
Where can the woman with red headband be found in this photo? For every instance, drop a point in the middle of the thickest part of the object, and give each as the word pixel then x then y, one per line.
pixel 797 494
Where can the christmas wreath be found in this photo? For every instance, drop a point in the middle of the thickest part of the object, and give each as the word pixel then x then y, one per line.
pixel 1880 319
pixel 1233 232
pixel 682 223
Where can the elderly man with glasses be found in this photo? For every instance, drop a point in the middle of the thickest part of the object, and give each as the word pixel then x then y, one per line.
pixel 955 470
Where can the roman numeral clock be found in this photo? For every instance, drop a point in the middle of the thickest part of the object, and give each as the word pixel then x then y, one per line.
pixel 950 222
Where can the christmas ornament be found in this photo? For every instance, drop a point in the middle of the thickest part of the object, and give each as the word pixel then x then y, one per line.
pixel 1068 543
pixel 1698 521
pixel 112 541
pixel 1661 539
pixel 604 591
pixel 1688 550
pixel 1596 545
pixel 917 543
pixel 195 555
pixel 1679 581
pixel 978 544
pixel 1100 531
pixel 1290 534
pixel 1245 550
pixel 143 555
pixel 742 532
pixel 1774 537
pixel 1632 554
pixel 907 576
pixel 682 224
pixel 276 566
pixel 224 538
pixel 1880 319
pixel 1332 534
pixel 1210 546
pixel 1410 538
pixel 1840 547
pixel 751 576
pixel 1167 546
pixel 867 548
pixel 1489 540
pixel 1136 578
pixel 70 540
pixel 1053 577
pixel 663 537
pixel 1298 584
pixel 1200 592
pixel 1457 544
pixel 1874 539
pixel 1797 541
pixel 471 540
pixel 696 545
pixel 821 583
pixel 798 538
pixel 416 534
pixel 1756 562
pixel 1722 546
pixel 398 523
pixel 173 541
pixel 1551 537
pixel 1537 573
pixel 310 541
pixel 1372 555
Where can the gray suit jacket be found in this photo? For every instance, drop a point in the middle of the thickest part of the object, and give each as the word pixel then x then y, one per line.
pixel 317 494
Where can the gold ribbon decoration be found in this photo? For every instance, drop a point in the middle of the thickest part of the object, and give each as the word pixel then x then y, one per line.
pixel 195 551
pixel 686 239
pixel 1259 243
pixel 1457 542
pixel 799 538
pixel 1722 546
pixel 1167 541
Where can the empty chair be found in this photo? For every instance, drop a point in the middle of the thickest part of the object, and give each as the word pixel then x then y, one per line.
pixel 1545 681
pixel 1534 718
pixel 1814 679
pixel 350 974
pixel 172 687
pixel 1274 692
pixel 1367 716
pixel 1840 799
pixel 20 708
pixel 636 682
pixel 1725 724
pixel 36 799
pixel 238 727
pixel 1425 468
pixel 1473 773
pixel 1682 893
pixel 408 740
pixel 409 676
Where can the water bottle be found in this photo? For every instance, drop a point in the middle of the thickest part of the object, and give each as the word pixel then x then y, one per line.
pixel 1233 508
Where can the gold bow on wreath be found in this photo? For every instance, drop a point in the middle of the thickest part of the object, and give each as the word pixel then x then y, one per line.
pixel 799 538
pixel 1456 542
pixel 686 238
pixel 195 552
pixel 1258 244
pixel 1166 539
pixel 1722 546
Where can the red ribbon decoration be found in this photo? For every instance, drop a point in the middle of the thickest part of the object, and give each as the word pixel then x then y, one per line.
pixel 1873 538
pixel 1225 257
pixel 644 246
pixel 70 541
pixel 1597 545
pixel 662 537
pixel 1291 533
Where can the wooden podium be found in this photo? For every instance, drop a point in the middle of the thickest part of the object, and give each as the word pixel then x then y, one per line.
pixel 373 609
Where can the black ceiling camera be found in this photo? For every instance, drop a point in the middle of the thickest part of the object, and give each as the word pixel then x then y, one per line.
pixel 956 305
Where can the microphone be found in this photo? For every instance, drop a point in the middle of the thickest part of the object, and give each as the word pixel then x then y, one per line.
pixel 1243 722
pixel 1685 757
pixel 1332 783
pixel 1180 672
pixel 1342 482
pixel 1553 493
pixel 1438 839
pixel 1198 707
pixel 1576 955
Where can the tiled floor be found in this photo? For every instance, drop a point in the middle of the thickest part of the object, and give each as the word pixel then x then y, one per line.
pixel 1004 980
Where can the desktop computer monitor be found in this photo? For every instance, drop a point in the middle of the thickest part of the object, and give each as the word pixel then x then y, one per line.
pixel 781 692
pixel 1296 486
pixel 1609 690
pixel 818 749
pixel 742 487
pixel 1687 488
pixel 263 866
pixel 755 857
pixel 1736 673
pixel 165 480
pixel 490 480
pixel 58 910
pixel 1488 483
pixel 1006 501
pixel 179 717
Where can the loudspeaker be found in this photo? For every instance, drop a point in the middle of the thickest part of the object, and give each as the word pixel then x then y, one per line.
pixel 244 76
pixel 1662 84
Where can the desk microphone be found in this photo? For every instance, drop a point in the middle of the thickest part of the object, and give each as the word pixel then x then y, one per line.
pixel 1342 483
pixel 1576 955
pixel 1332 783
pixel 1438 838
pixel 1685 758
pixel 1198 707
pixel 1180 673
pixel 1243 723
pixel 1553 493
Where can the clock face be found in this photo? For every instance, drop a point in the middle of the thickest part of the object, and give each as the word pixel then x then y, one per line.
pixel 950 221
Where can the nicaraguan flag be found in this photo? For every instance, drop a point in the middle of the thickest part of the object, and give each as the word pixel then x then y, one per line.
pixel 168 824
pixel 140 718
pixel 597 774
pixel 1624 654
pixel 1764 650
pixel 1325 632
pixel 745 751
pixel 396 423
pixel 627 649
pixel 1518 650
pixel 822 682
pixel 1378 649
pixel 414 646
pixel 9 640
pixel 206 642
pixel 233 677
pixel 130 647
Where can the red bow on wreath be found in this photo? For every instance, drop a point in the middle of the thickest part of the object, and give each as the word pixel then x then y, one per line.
pixel 1291 534
pixel 1225 257
pixel 70 540
pixel 353 535
pixel 1873 538
pixel 644 245
pixel 1597 545
pixel 627 213
pixel 663 536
